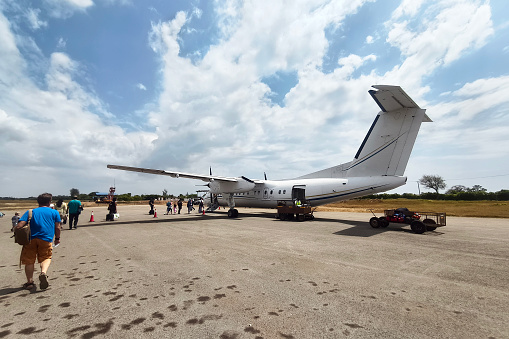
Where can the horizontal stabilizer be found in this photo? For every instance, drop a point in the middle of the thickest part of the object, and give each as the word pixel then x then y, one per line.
pixel 392 98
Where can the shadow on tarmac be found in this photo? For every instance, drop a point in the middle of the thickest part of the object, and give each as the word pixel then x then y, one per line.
pixel 152 220
pixel 10 290
pixel 362 229
pixel 358 229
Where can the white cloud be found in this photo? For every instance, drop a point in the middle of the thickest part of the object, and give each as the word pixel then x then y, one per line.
pixel 12 62
pixel 214 110
pixel 352 62
pixel 407 8
pixel 47 132
pixel 61 44
pixel 438 36
pixel 66 8
pixel 200 102
pixel 33 19
pixel 117 2
pixel 223 117
pixel 370 39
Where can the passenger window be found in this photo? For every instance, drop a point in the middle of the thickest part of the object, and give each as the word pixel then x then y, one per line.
pixel 279 192
pixel 284 191
pixel 271 191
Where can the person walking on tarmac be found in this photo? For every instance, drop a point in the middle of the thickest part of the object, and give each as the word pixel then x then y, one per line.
pixel 61 207
pixel 169 208
pixel 112 208
pixel 200 206
pixel 44 226
pixel 74 208
pixel 179 203
pixel 189 205
pixel 15 220
pixel 151 203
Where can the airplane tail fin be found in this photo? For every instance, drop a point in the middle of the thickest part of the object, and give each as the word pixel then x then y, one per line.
pixel 389 142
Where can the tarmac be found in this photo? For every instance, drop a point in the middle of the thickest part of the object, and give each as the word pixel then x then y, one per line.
pixel 208 276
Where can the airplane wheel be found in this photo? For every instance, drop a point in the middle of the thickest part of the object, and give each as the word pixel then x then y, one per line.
pixel 429 224
pixel 233 213
pixel 418 227
pixel 374 222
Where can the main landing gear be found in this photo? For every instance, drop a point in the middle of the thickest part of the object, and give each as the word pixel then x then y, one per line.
pixel 232 212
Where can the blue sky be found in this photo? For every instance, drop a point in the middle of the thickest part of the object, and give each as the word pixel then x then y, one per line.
pixel 244 87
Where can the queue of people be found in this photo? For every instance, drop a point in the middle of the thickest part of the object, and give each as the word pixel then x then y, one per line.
pixel 45 226
pixel 175 206
pixel 72 210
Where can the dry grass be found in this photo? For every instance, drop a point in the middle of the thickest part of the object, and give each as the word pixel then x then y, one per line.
pixel 485 209
pixel 16 205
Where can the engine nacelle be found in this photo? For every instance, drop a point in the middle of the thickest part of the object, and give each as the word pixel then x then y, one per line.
pixel 217 187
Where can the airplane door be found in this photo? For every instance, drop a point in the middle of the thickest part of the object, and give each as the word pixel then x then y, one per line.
pixel 299 192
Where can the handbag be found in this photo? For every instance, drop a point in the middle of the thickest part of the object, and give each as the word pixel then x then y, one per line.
pixel 22 234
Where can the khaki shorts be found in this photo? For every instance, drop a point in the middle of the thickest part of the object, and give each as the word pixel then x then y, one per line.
pixel 37 248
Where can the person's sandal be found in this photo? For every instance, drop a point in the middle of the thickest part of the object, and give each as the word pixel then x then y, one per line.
pixel 29 286
pixel 44 281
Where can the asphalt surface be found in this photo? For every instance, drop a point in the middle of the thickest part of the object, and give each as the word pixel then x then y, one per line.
pixel 195 276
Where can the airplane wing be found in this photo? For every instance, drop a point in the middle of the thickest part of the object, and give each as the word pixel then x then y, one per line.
pixel 391 98
pixel 207 178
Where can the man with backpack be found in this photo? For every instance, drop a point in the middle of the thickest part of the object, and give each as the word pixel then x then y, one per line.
pixel 44 226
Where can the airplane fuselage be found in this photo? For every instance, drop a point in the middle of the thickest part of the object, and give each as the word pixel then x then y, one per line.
pixel 318 191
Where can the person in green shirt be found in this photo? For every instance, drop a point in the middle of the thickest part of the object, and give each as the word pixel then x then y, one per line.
pixel 74 208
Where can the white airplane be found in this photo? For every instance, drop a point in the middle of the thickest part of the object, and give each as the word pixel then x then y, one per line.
pixel 378 166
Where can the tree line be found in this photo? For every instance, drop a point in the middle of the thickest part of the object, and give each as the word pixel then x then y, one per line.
pixel 457 192
pixel 502 195
pixel 434 182
pixel 92 196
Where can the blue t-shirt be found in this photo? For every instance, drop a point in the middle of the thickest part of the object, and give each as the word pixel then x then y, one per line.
pixel 42 225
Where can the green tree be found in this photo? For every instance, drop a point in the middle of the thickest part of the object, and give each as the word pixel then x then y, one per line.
pixel 434 182
pixel 477 189
pixel 457 189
